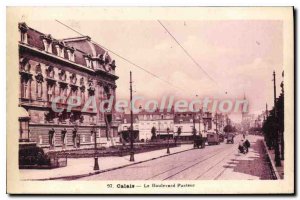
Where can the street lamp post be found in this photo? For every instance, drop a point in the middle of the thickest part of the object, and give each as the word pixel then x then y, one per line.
pixel 131 123
pixel 194 132
pixel 216 120
pixel 277 153
pixel 200 120
pixel 168 146
pixel 94 131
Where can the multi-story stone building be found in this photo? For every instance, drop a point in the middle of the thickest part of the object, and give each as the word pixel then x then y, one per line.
pixel 202 122
pixel 143 122
pixel 72 67
pixel 162 121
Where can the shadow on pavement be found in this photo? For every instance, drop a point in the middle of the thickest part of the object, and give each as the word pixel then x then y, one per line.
pixel 256 164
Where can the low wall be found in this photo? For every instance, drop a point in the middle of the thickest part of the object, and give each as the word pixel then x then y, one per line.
pixel 120 150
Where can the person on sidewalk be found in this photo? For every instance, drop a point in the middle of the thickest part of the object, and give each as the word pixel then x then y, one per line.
pixel 246 145
pixel 241 146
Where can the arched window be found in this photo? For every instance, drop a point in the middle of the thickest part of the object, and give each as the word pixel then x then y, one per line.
pixel 25 65
pixel 63 137
pixel 51 138
pixel 50 72
pixel 62 75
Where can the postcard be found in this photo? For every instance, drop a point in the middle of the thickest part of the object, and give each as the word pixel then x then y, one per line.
pixel 150 100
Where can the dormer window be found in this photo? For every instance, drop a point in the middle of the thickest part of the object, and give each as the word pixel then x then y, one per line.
pixel 60 50
pixel 88 61
pixel 23 32
pixel 24 37
pixel 47 41
pixel 71 55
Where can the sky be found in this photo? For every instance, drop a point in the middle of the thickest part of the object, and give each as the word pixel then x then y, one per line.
pixel 239 55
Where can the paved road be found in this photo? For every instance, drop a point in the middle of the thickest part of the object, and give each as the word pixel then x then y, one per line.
pixel 214 162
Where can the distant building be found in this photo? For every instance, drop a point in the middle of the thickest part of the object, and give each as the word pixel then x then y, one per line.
pixel 248 120
pixel 145 121
pixel 163 121
pixel 48 68
pixel 186 121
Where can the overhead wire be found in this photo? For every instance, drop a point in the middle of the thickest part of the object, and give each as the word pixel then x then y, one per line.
pixel 125 59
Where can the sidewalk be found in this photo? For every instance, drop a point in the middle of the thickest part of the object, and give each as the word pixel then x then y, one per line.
pixel 84 166
pixel 251 166
pixel 278 170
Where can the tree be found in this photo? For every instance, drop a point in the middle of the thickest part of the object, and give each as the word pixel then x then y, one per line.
pixel 179 131
pixel 280 115
pixel 178 134
pixel 269 128
pixel 273 124
pixel 194 136
pixel 229 128
pixel 153 131
pixel 194 131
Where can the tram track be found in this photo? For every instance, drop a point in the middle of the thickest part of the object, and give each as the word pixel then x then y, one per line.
pixel 223 170
pixel 197 163
pixel 213 166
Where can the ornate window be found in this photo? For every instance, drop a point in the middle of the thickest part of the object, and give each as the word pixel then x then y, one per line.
pixel 47 41
pixel 91 88
pixel 73 78
pixel 82 90
pixel 23 33
pixel 63 137
pixel 74 136
pixel 81 81
pixel 24 129
pixel 39 81
pixel 70 52
pixel 51 138
pixel 26 78
pixel 50 91
pixel 50 72
pixel 25 65
pixel 88 61
pixel 62 75
pixel 60 49
pixel 63 90
pixel 25 88
pixel 50 83
pixel 107 93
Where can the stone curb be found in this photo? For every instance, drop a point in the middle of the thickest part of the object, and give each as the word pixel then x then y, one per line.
pixel 272 162
pixel 72 177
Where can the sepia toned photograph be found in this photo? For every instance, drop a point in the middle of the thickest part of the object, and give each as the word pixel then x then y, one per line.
pixel 150 100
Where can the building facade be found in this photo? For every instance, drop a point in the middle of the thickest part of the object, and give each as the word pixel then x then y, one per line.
pixel 143 122
pixel 202 122
pixel 58 71
pixel 168 121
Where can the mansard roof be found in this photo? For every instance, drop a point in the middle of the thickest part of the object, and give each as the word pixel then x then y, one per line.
pixel 81 46
pixel 85 44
